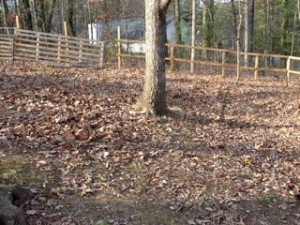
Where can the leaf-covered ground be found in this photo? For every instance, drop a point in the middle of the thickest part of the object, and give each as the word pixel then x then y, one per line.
pixel 228 153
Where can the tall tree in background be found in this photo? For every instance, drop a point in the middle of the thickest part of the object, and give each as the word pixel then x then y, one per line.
pixel 25 14
pixel 248 28
pixel 105 17
pixel 269 27
pixel 235 20
pixel 298 9
pixel 45 11
pixel 153 98
pixel 193 36
pixel 294 29
pixel 4 12
pixel 177 22
pixel 208 23
pixel 238 42
pixel 289 27
pixel 33 15
pixel 70 16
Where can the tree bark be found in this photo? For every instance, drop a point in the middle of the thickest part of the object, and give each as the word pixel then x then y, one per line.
pixel 26 14
pixel 293 33
pixel 50 16
pixel 192 66
pixel 249 28
pixel 33 15
pixel 154 92
pixel 208 23
pixel 268 33
pixel 234 14
pixel 177 22
pixel 4 13
pixel 285 26
pixel 70 16
pixel 238 43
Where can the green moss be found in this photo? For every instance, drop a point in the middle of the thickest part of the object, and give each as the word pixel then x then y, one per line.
pixel 10 167
pixel 101 222
pixel 18 170
pixel 265 201
pixel 157 216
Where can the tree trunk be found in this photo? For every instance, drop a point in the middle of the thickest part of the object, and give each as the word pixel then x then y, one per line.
pixel 33 15
pixel 192 67
pixel 268 33
pixel 26 14
pixel 41 15
pixel 249 27
pixel 178 22
pixel 238 43
pixel 235 22
pixel 4 12
pixel 298 9
pixel 285 26
pixel 50 16
pixel 208 23
pixel 293 34
pixel 154 92
pixel 70 15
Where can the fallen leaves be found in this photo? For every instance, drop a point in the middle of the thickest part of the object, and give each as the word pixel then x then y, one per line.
pixel 75 128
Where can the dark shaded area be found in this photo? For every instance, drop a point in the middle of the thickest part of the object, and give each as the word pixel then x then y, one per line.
pixel 11 201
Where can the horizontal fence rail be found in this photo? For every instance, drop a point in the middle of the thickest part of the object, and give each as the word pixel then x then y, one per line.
pixel 53 48
pixel 223 58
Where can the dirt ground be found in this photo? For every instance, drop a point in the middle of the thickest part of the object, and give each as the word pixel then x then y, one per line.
pixel 227 153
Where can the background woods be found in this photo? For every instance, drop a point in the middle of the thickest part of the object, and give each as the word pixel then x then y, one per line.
pixel 266 26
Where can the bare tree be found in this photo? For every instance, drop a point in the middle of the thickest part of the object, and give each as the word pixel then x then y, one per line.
pixel 238 43
pixel 249 28
pixel 192 68
pixel 33 15
pixel 4 12
pixel 70 16
pixel 285 23
pixel 45 10
pixel 208 23
pixel 177 21
pixel 153 98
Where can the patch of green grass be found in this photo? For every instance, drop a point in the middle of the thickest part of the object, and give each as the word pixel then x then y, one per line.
pixel 268 200
pixel 10 167
pixel 156 216
pixel 136 169
pixel 100 222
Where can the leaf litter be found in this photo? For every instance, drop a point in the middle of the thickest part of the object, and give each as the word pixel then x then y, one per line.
pixel 227 153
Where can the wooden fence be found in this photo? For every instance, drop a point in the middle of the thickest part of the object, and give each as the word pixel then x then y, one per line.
pixel 53 48
pixel 223 58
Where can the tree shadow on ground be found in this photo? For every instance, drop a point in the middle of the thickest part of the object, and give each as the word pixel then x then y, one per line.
pixel 105 209
pixel 188 168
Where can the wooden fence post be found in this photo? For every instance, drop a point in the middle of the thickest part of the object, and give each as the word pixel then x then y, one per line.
pixel 288 67
pixel 37 47
pixel 18 22
pixel 172 62
pixel 59 48
pixel 223 62
pixel 101 54
pixel 192 69
pixel 65 29
pixel 13 48
pixel 80 51
pixel 119 48
pixel 256 67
